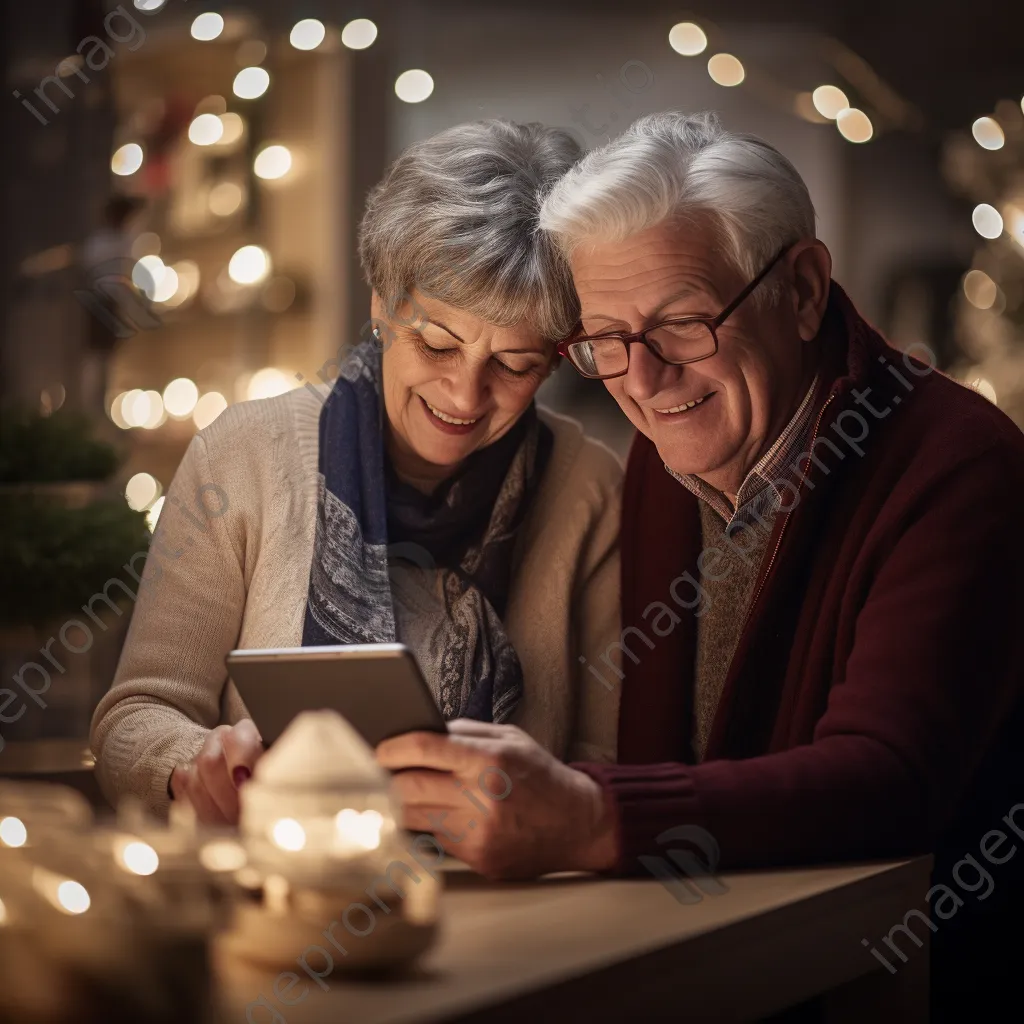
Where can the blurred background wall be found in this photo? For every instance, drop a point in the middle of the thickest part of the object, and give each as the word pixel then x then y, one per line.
pixel 182 182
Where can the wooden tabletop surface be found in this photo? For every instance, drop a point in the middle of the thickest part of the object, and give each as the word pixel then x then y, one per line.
pixel 574 946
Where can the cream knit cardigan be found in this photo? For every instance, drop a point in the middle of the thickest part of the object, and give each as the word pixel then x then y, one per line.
pixel 229 567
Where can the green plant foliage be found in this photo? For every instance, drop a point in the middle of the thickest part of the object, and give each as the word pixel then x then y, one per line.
pixel 49 449
pixel 54 558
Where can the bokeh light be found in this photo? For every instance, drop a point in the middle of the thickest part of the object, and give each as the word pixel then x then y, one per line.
pixel 205 130
pixel 234 128
pixel 153 512
pixel 725 69
pixel 413 86
pixel 127 159
pixel 272 162
pixel 987 133
pixel 980 289
pixel 225 198
pixel 250 83
pixel 73 897
pixel 139 858
pixel 359 34
pixel 13 832
pixel 207 26
pixel 987 221
pixel 687 38
pixel 854 125
pixel 829 100
pixel 249 265
pixel 141 491
pixel 180 397
pixel 268 383
pixel 208 408
pixel 288 834
pixel 307 34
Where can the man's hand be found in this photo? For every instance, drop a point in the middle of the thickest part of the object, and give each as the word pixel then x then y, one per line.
pixel 210 782
pixel 499 802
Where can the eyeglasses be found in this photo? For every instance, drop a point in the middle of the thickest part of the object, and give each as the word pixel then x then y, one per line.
pixel 679 340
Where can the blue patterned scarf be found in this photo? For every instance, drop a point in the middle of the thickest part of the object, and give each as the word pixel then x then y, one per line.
pixel 363 590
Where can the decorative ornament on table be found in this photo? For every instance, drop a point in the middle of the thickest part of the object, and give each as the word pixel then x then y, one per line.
pixel 320 832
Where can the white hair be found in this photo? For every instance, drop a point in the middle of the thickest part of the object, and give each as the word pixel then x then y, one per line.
pixel 455 217
pixel 675 166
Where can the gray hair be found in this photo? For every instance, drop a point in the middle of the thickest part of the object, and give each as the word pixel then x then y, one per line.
pixel 672 166
pixel 456 217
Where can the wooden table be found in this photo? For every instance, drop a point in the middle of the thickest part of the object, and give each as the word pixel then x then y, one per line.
pixel 574 948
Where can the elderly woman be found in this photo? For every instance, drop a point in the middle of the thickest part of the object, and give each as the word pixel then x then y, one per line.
pixel 424 499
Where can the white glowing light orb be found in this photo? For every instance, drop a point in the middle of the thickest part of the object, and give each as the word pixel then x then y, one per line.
pixel 141 491
pixel 288 834
pixel 987 221
pixel 208 408
pixel 207 26
pixel 180 397
pixel 139 858
pixel 13 832
pixel 307 34
pixel 249 265
pixel 725 69
pixel 250 83
pixel 359 34
pixel 127 159
pixel 687 38
pixel 829 101
pixel 413 86
pixel 272 162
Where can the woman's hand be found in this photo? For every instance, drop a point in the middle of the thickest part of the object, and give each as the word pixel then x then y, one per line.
pixel 210 782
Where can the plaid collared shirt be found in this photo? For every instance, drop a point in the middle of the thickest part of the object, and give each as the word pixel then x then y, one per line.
pixel 758 497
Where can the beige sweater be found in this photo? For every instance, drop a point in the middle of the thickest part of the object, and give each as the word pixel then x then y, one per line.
pixel 236 575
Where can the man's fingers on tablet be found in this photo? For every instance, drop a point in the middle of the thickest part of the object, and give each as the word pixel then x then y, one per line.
pixel 427 750
pixel 426 787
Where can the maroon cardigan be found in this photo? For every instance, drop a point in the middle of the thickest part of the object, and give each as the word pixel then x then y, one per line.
pixel 873 707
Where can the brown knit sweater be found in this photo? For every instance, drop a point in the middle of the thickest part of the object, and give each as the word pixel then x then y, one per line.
pixel 728 584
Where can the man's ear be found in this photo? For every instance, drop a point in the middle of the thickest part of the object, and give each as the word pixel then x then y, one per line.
pixel 810 267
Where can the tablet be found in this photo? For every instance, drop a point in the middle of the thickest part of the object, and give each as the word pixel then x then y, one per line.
pixel 379 688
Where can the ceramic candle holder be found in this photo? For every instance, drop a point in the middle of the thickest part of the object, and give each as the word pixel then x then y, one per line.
pixel 320 832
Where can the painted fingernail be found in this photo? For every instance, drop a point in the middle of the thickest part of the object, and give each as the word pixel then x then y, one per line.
pixel 240 774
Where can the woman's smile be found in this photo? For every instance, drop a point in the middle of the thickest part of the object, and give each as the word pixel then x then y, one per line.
pixel 449 423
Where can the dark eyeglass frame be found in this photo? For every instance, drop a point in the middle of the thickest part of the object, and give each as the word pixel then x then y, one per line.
pixel 640 337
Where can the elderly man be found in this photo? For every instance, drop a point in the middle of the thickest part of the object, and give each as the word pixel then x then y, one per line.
pixel 822 590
